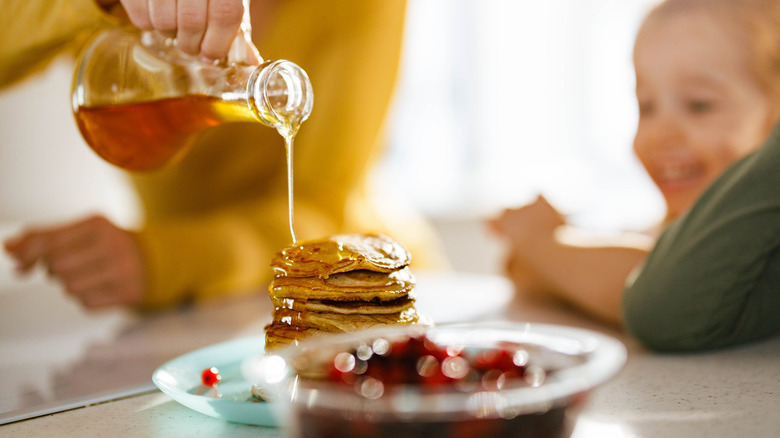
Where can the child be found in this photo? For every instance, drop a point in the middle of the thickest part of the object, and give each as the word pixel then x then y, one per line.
pixel 708 93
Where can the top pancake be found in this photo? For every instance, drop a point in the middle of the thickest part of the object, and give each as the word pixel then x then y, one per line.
pixel 347 286
pixel 341 253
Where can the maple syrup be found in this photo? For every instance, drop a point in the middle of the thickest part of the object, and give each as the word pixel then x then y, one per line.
pixel 288 145
pixel 148 135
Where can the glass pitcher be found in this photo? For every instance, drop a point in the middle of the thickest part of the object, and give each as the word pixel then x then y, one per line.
pixel 140 103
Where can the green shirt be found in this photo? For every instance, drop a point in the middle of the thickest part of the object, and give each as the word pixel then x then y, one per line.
pixel 713 279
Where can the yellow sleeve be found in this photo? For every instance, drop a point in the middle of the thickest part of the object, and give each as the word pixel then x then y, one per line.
pixel 33 32
pixel 215 219
pixel 227 252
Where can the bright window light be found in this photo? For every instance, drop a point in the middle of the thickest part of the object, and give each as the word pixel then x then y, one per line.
pixel 500 100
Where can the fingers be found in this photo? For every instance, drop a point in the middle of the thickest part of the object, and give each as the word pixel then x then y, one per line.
pixel 138 13
pixel 162 14
pixel 25 251
pixel 202 27
pixel 224 19
pixel 95 285
pixel 497 224
pixel 33 246
pixel 105 282
pixel 152 14
pixel 97 263
pixel 506 221
pixel 61 261
pixel 522 275
pixel 86 283
pixel 192 17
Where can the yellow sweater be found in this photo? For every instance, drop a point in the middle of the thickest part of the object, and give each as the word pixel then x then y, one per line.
pixel 214 220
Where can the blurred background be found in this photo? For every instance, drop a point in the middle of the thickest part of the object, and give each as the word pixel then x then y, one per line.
pixel 498 101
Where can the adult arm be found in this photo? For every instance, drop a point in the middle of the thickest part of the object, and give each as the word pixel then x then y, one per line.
pixel 34 32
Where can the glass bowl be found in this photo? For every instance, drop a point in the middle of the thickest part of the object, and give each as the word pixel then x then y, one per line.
pixel 337 385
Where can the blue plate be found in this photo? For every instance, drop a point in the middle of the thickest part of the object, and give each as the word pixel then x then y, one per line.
pixel 231 399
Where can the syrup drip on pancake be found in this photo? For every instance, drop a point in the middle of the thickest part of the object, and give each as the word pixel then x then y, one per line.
pixel 341 253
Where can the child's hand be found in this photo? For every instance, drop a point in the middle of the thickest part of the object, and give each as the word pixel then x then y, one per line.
pixel 522 226
pixel 527 231
pixel 98 263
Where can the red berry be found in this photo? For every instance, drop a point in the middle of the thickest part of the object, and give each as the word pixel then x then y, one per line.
pixel 411 348
pixel 501 360
pixel 433 349
pixel 334 375
pixel 210 376
pixel 418 360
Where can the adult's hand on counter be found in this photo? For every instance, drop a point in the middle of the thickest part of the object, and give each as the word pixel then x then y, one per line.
pixel 98 263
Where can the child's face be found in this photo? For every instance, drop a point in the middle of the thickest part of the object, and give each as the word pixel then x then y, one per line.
pixel 700 105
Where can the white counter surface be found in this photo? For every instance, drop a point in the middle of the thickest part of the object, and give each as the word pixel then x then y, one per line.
pixel 729 393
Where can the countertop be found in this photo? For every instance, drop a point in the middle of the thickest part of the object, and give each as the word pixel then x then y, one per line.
pixel 104 361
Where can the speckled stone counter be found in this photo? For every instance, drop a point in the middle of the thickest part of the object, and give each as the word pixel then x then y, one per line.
pixel 729 393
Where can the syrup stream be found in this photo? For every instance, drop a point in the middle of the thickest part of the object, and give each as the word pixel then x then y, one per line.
pixel 288 145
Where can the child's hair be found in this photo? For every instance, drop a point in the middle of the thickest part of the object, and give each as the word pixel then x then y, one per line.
pixel 755 21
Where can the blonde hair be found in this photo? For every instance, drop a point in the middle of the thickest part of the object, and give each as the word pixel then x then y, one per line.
pixel 757 21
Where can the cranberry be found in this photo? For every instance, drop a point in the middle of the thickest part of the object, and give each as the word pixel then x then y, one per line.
pixel 210 376
pixel 390 370
pixel 419 360
pixel 429 369
pixel 413 347
pixel 501 360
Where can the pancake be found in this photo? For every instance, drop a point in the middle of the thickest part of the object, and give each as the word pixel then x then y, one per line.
pixel 359 285
pixel 345 307
pixel 337 323
pixel 279 335
pixel 341 253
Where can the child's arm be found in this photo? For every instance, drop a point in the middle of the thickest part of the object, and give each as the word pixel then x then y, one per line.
pixel 546 256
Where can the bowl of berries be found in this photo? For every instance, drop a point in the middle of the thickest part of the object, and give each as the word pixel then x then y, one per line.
pixel 460 380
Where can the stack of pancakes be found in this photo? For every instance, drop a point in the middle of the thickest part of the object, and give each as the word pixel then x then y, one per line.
pixel 343 283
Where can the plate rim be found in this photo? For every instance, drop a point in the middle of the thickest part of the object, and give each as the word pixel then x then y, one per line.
pixel 265 411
